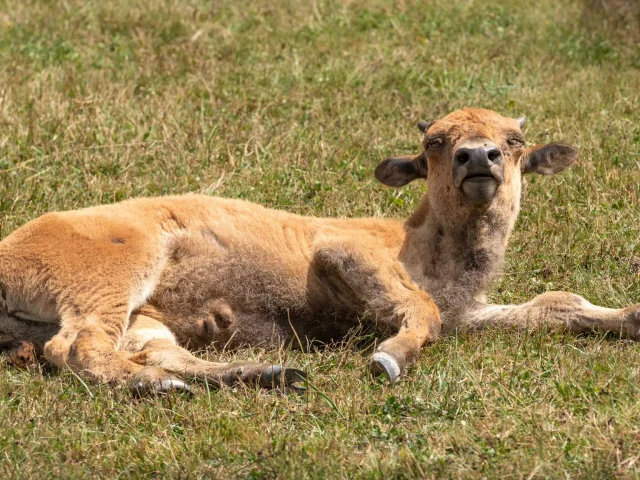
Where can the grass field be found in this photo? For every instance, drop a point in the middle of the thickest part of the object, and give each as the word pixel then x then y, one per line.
pixel 293 105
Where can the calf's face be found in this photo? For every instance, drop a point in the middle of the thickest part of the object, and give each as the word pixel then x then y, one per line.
pixel 474 158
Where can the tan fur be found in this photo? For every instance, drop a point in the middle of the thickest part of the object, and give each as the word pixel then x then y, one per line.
pixel 213 270
pixel 126 291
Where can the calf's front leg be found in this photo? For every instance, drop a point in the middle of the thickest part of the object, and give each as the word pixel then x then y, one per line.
pixel 556 309
pixel 381 291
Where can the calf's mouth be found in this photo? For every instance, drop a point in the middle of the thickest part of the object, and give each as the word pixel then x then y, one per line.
pixel 480 188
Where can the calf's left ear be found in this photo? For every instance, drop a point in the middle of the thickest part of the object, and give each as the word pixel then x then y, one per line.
pixel 548 159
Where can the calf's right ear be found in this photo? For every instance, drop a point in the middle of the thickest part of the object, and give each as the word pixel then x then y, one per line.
pixel 398 171
pixel 548 159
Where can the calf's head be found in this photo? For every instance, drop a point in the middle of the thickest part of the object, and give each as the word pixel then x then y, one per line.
pixel 474 159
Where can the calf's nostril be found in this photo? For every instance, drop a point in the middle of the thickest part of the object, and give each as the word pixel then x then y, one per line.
pixel 462 157
pixel 494 154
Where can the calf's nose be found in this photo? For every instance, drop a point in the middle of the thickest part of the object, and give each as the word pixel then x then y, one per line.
pixel 478 156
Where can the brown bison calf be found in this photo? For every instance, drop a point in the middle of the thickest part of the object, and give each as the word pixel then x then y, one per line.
pixel 123 292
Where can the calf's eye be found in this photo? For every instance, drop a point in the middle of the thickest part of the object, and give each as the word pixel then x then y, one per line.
pixel 435 142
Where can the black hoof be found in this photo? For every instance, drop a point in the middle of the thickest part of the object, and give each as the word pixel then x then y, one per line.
pixel 634 321
pixel 277 376
pixel 144 388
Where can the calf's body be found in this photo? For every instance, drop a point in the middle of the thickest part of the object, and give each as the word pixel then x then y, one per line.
pixel 125 292
pixel 150 275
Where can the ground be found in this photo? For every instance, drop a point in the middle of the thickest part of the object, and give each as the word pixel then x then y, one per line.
pixel 292 105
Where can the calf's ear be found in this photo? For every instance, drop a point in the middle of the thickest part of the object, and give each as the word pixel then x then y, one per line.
pixel 548 159
pixel 398 171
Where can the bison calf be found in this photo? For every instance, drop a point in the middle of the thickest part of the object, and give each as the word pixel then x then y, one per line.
pixel 125 292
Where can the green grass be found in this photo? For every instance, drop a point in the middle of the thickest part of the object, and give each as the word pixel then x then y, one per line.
pixel 292 106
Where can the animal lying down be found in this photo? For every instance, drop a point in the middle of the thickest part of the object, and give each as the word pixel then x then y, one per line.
pixel 126 292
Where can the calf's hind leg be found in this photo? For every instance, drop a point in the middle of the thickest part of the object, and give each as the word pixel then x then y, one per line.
pixel 155 345
pixel 84 273
pixel 91 350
